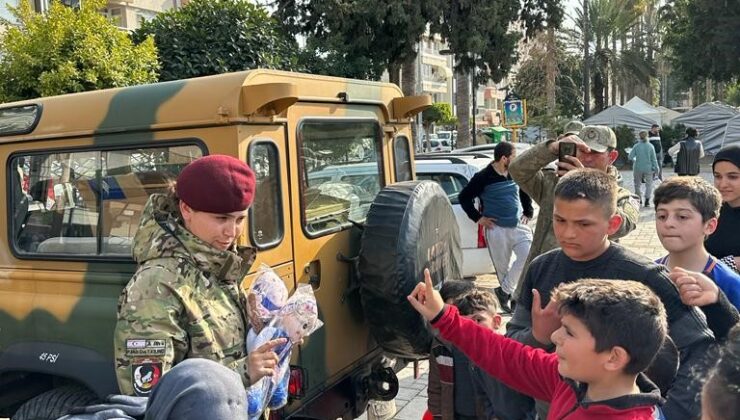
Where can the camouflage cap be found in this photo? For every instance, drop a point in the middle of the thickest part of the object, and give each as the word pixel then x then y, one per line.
pixel 598 137
pixel 574 127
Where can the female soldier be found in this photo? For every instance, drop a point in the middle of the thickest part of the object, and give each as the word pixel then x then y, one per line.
pixel 184 301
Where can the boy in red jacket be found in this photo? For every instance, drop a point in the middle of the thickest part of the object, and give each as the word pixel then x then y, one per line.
pixel 610 332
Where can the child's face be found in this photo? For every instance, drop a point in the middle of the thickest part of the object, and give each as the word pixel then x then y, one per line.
pixel 575 346
pixel 727 181
pixel 487 320
pixel 680 227
pixel 582 228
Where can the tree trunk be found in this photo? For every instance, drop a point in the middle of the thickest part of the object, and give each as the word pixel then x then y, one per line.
pixel 409 88
pixel 598 93
pixel 462 105
pixel 613 72
pixel 586 63
pixel 551 71
pixel 708 90
pixel 394 73
pixel 408 76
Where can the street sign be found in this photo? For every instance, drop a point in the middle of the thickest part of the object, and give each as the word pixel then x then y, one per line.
pixel 515 113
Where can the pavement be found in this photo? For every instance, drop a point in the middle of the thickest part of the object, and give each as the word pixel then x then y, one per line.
pixel 411 401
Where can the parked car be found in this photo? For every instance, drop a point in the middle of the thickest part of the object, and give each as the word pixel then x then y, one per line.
pixel 453 172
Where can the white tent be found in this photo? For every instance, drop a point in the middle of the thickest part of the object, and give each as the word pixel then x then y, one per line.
pixel 638 106
pixel 667 115
pixel 617 115
pixel 732 132
pixel 711 119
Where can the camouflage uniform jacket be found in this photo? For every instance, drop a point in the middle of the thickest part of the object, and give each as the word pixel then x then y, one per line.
pixel 184 301
pixel 527 171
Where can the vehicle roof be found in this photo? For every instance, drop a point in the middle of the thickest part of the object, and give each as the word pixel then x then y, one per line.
pixel 449 159
pixel 199 101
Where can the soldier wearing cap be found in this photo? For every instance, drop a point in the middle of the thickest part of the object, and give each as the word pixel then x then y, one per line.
pixel 596 149
pixel 185 300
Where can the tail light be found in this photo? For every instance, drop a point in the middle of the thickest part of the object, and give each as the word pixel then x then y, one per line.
pixel 481 236
pixel 296 382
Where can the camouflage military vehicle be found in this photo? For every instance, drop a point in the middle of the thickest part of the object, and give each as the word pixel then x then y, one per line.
pixel 79 169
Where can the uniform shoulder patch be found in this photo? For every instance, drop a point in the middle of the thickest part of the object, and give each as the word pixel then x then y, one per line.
pixel 145 374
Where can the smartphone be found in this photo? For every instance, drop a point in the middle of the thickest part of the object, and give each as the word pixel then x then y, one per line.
pixel 566 149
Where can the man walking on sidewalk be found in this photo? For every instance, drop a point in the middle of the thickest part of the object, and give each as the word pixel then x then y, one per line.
pixel 505 213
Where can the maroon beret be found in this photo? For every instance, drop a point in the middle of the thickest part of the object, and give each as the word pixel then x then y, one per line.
pixel 216 184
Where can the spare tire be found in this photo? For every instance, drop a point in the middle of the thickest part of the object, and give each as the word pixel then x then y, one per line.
pixel 410 226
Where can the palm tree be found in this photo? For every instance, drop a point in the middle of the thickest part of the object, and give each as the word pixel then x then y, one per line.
pixel 608 22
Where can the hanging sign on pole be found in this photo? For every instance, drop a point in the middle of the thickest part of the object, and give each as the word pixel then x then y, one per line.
pixel 515 113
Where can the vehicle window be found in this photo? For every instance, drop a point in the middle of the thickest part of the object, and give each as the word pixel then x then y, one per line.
pixel 435 143
pixel 88 203
pixel 451 183
pixel 402 152
pixel 266 213
pixel 341 172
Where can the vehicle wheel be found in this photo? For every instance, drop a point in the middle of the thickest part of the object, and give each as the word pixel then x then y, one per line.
pixel 55 403
pixel 410 226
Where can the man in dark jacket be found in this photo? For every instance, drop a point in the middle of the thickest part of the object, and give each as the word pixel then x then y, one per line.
pixel 686 153
pixel 506 211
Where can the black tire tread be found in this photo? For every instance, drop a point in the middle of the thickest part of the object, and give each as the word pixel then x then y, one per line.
pixel 55 403
pixel 404 222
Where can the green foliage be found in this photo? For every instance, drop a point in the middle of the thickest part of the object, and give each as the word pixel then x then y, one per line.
pixel 68 50
pixel 362 38
pixel 732 96
pixel 479 35
pixel 356 37
pixel 703 38
pixel 530 84
pixel 670 135
pixel 333 58
pixel 218 36
pixel 439 113
pixel 625 138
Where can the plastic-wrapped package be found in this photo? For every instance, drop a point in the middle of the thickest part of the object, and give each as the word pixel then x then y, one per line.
pixel 295 320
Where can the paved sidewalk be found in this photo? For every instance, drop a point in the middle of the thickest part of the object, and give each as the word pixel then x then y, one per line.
pixel 411 401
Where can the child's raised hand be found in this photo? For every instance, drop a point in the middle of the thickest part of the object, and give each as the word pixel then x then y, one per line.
pixel 696 289
pixel 544 321
pixel 425 299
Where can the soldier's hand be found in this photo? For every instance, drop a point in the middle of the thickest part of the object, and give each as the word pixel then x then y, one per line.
pixel 544 321
pixel 427 301
pixel 580 145
pixel 263 360
pixel 695 289
pixel 572 163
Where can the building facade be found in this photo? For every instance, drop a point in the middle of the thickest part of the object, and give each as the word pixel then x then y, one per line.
pixel 125 14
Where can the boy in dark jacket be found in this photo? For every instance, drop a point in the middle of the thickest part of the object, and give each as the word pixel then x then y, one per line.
pixel 448 369
pixel 610 332
pixel 482 307
pixel 584 215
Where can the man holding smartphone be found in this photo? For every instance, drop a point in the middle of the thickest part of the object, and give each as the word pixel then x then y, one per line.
pixel 595 147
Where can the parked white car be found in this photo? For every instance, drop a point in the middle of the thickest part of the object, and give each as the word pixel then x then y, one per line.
pixel 453 172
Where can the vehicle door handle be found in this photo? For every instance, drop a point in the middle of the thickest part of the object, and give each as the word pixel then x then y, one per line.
pixel 313 269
